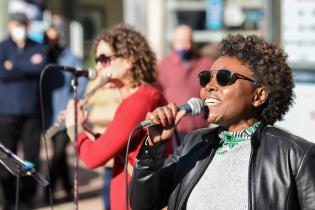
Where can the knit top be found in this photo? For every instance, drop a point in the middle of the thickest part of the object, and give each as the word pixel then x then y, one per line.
pixel 224 184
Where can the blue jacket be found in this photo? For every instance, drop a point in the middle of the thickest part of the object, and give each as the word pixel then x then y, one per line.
pixel 19 77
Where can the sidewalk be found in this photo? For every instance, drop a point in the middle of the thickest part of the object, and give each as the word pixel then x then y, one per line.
pixel 89 196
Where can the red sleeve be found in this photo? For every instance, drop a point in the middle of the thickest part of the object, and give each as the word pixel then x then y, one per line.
pixel 130 113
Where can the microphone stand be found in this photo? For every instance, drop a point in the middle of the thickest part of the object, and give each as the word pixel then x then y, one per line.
pixel 19 167
pixel 74 84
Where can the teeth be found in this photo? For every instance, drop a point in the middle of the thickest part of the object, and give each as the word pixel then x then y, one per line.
pixel 212 101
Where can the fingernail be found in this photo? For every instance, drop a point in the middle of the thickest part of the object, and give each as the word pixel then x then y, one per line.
pixel 157 121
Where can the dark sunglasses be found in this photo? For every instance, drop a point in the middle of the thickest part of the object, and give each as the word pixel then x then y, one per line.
pixel 223 77
pixel 105 60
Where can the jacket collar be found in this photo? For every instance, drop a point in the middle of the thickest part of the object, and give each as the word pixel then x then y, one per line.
pixel 210 135
pixel 256 138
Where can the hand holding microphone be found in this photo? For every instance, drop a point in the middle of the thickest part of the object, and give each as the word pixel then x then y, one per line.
pixel 161 122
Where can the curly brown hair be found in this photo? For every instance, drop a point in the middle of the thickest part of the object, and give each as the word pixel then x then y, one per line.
pixel 268 62
pixel 130 44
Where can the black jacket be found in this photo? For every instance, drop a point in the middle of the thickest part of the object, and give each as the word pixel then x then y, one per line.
pixel 281 171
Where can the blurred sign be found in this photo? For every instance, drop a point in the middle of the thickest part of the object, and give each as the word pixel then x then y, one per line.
pixel 298 31
pixel 300 120
pixel 76 38
pixel 135 14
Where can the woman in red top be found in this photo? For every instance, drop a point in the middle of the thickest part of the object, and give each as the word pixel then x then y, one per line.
pixel 125 55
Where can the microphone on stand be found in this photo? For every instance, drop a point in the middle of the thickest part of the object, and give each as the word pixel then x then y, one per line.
pixel 79 72
pixel 193 107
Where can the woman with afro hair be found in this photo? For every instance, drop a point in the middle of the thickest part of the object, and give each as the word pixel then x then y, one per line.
pixel 243 163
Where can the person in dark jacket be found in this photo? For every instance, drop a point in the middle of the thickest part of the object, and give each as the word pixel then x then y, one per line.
pixel 243 163
pixel 21 62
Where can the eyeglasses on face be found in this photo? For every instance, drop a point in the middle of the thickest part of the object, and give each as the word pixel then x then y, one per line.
pixel 105 60
pixel 223 77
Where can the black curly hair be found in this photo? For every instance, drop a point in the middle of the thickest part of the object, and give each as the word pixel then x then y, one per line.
pixel 128 43
pixel 268 62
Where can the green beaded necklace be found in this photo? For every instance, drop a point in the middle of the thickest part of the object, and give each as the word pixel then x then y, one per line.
pixel 230 139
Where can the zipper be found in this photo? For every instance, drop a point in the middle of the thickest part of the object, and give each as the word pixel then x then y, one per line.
pixel 253 155
pixel 249 181
pixel 250 168
pixel 196 178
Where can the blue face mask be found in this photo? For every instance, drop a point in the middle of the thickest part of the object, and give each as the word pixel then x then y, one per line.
pixel 184 54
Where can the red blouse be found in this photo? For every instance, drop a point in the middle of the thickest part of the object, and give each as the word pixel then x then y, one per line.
pixel 112 143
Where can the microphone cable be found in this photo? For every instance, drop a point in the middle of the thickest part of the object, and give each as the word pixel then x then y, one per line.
pixel 126 164
pixel 46 68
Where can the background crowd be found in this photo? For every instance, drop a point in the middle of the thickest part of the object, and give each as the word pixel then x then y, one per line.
pixel 18 77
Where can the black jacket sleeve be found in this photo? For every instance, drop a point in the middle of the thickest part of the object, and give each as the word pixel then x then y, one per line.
pixel 151 179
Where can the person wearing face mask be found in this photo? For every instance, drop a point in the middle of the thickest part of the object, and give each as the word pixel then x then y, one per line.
pixel 176 72
pixel 57 92
pixel 243 163
pixel 21 62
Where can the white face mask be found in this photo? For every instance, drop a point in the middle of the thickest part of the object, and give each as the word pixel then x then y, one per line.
pixel 18 33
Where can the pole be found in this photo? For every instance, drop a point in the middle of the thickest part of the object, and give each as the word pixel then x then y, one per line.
pixel 74 84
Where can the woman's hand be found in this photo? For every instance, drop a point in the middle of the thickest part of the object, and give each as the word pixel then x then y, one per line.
pixel 165 118
pixel 68 114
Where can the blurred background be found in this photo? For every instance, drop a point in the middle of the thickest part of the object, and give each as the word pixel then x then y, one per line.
pixel 290 23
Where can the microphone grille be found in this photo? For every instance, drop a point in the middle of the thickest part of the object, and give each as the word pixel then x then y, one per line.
pixel 92 74
pixel 196 105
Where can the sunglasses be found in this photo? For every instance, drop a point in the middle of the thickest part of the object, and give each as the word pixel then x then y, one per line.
pixel 105 60
pixel 223 77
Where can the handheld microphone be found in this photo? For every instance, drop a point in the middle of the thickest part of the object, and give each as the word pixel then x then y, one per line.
pixel 80 72
pixel 193 107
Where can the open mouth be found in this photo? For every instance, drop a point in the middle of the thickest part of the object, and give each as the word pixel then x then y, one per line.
pixel 212 101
